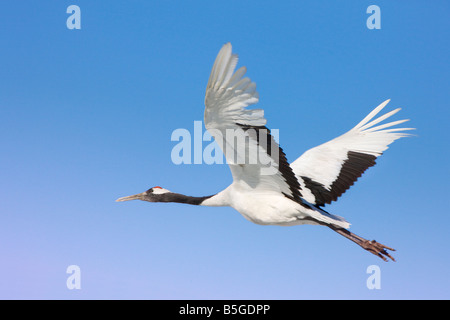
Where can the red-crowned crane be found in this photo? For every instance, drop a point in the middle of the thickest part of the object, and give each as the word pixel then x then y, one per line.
pixel 288 194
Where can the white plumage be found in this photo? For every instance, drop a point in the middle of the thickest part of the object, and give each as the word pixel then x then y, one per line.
pixel 324 163
pixel 266 189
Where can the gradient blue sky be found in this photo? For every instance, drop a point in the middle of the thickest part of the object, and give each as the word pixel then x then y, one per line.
pixel 86 117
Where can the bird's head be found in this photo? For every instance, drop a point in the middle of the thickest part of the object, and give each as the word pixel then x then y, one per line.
pixel 155 194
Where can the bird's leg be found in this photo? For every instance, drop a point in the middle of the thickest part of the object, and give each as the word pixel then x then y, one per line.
pixel 372 246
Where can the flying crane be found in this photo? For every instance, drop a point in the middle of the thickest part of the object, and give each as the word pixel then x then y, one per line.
pixel 266 189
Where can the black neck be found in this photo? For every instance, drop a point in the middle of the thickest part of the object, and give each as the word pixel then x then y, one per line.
pixel 181 198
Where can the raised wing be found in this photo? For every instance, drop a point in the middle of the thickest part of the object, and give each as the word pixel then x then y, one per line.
pixel 327 171
pixel 255 159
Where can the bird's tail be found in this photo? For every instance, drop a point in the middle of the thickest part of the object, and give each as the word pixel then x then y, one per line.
pixel 327 218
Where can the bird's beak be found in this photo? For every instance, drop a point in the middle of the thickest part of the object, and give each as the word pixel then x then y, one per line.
pixel 133 197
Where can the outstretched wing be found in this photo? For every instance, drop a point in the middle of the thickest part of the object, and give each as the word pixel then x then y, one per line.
pixel 327 171
pixel 255 159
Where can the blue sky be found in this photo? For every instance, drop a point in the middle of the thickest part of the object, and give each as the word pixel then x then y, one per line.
pixel 86 117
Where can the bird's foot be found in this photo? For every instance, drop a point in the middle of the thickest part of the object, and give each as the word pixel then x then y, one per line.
pixel 377 249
